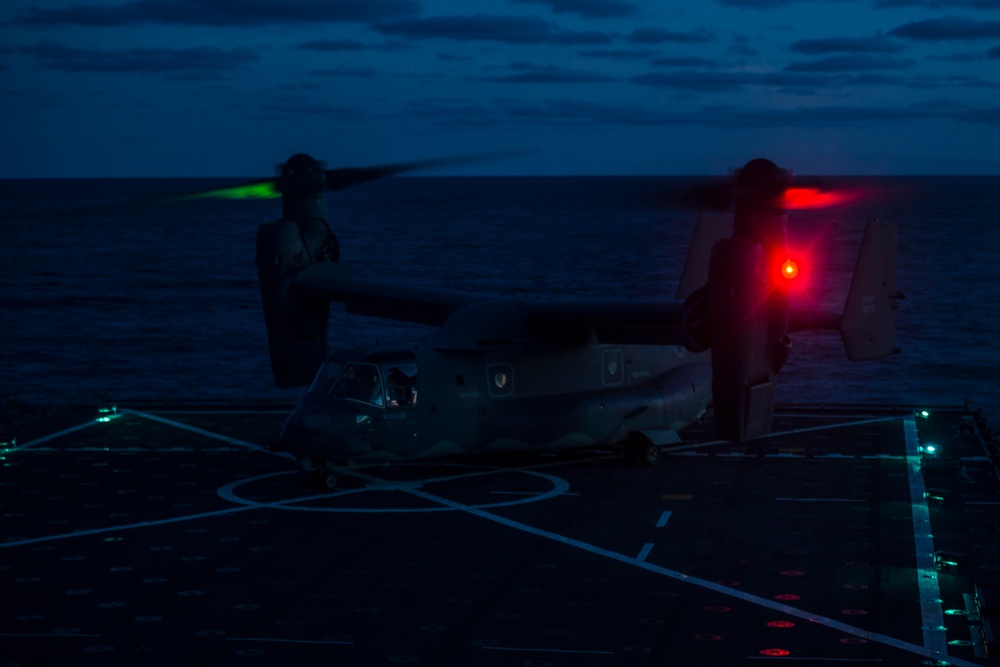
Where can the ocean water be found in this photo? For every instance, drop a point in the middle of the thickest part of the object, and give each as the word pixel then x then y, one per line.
pixel 112 291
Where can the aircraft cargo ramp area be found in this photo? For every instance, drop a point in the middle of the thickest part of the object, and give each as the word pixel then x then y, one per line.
pixel 159 535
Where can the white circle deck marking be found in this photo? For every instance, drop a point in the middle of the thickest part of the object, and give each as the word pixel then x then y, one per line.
pixel 559 486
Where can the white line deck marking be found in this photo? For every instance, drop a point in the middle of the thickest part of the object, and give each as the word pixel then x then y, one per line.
pixel 663 519
pixel 59 434
pixel 644 552
pixel 207 434
pixel 824 427
pixel 931 614
pixel 127 526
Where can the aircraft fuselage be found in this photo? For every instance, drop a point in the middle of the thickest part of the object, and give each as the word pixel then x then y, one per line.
pixel 380 404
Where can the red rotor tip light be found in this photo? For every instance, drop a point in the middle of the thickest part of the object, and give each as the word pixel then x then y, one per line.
pixel 804 198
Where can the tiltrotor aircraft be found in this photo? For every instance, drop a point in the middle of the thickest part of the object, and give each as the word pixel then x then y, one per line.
pixel 510 374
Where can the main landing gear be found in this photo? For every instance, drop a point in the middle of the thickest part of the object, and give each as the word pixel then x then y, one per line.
pixel 642 451
pixel 321 475
pixel 323 479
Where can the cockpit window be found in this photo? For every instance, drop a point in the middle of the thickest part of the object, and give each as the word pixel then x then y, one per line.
pixel 386 384
pixel 360 382
pixel 325 377
pixel 401 385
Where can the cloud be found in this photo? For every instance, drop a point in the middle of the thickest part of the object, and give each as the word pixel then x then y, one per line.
pixel 953 81
pixel 798 81
pixel 346 72
pixel 817 47
pixel 741 47
pixel 353 45
pixel 216 12
pixel 301 106
pixel 565 112
pixel 550 74
pixel 490 28
pixel 332 45
pixel 141 60
pixel 681 61
pixel 661 36
pixel 452 113
pixel 937 4
pixel 849 63
pixel 754 4
pixel 948 28
pixel 989 116
pixel 693 80
pixel 718 81
pixel 594 9
pixel 619 54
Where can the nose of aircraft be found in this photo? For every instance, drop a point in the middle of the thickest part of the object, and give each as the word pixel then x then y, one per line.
pixel 325 431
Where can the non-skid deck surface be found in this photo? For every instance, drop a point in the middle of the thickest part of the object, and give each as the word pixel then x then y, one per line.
pixel 158 537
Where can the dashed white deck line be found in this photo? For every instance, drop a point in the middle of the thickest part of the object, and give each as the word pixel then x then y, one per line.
pixel 932 616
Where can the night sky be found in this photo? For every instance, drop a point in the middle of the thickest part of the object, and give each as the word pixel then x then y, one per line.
pixel 231 87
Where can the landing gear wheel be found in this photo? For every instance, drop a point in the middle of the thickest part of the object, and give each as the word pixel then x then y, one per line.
pixel 642 452
pixel 650 454
pixel 325 480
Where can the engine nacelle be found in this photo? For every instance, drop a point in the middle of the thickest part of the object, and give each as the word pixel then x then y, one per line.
pixel 296 329
pixel 748 306
pixel 749 345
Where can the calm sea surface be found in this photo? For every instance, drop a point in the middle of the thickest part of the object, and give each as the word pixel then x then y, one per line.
pixel 109 291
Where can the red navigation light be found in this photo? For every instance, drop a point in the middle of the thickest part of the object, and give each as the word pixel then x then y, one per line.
pixel 786 275
pixel 802 198
pixel 789 269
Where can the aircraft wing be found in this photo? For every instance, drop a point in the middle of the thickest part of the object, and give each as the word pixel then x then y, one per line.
pixel 395 301
pixel 491 319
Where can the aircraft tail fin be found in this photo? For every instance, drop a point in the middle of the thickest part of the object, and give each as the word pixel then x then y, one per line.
pixel 868 325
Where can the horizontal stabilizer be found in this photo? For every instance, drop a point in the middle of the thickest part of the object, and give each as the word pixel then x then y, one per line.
pixel 868 326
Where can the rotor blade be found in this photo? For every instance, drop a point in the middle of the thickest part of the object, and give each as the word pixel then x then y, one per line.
pixel 347 177
pixel 260 189
pixel 808 192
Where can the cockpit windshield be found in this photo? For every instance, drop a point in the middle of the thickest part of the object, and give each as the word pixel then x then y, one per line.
pixel 360 382
pixel 387 384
